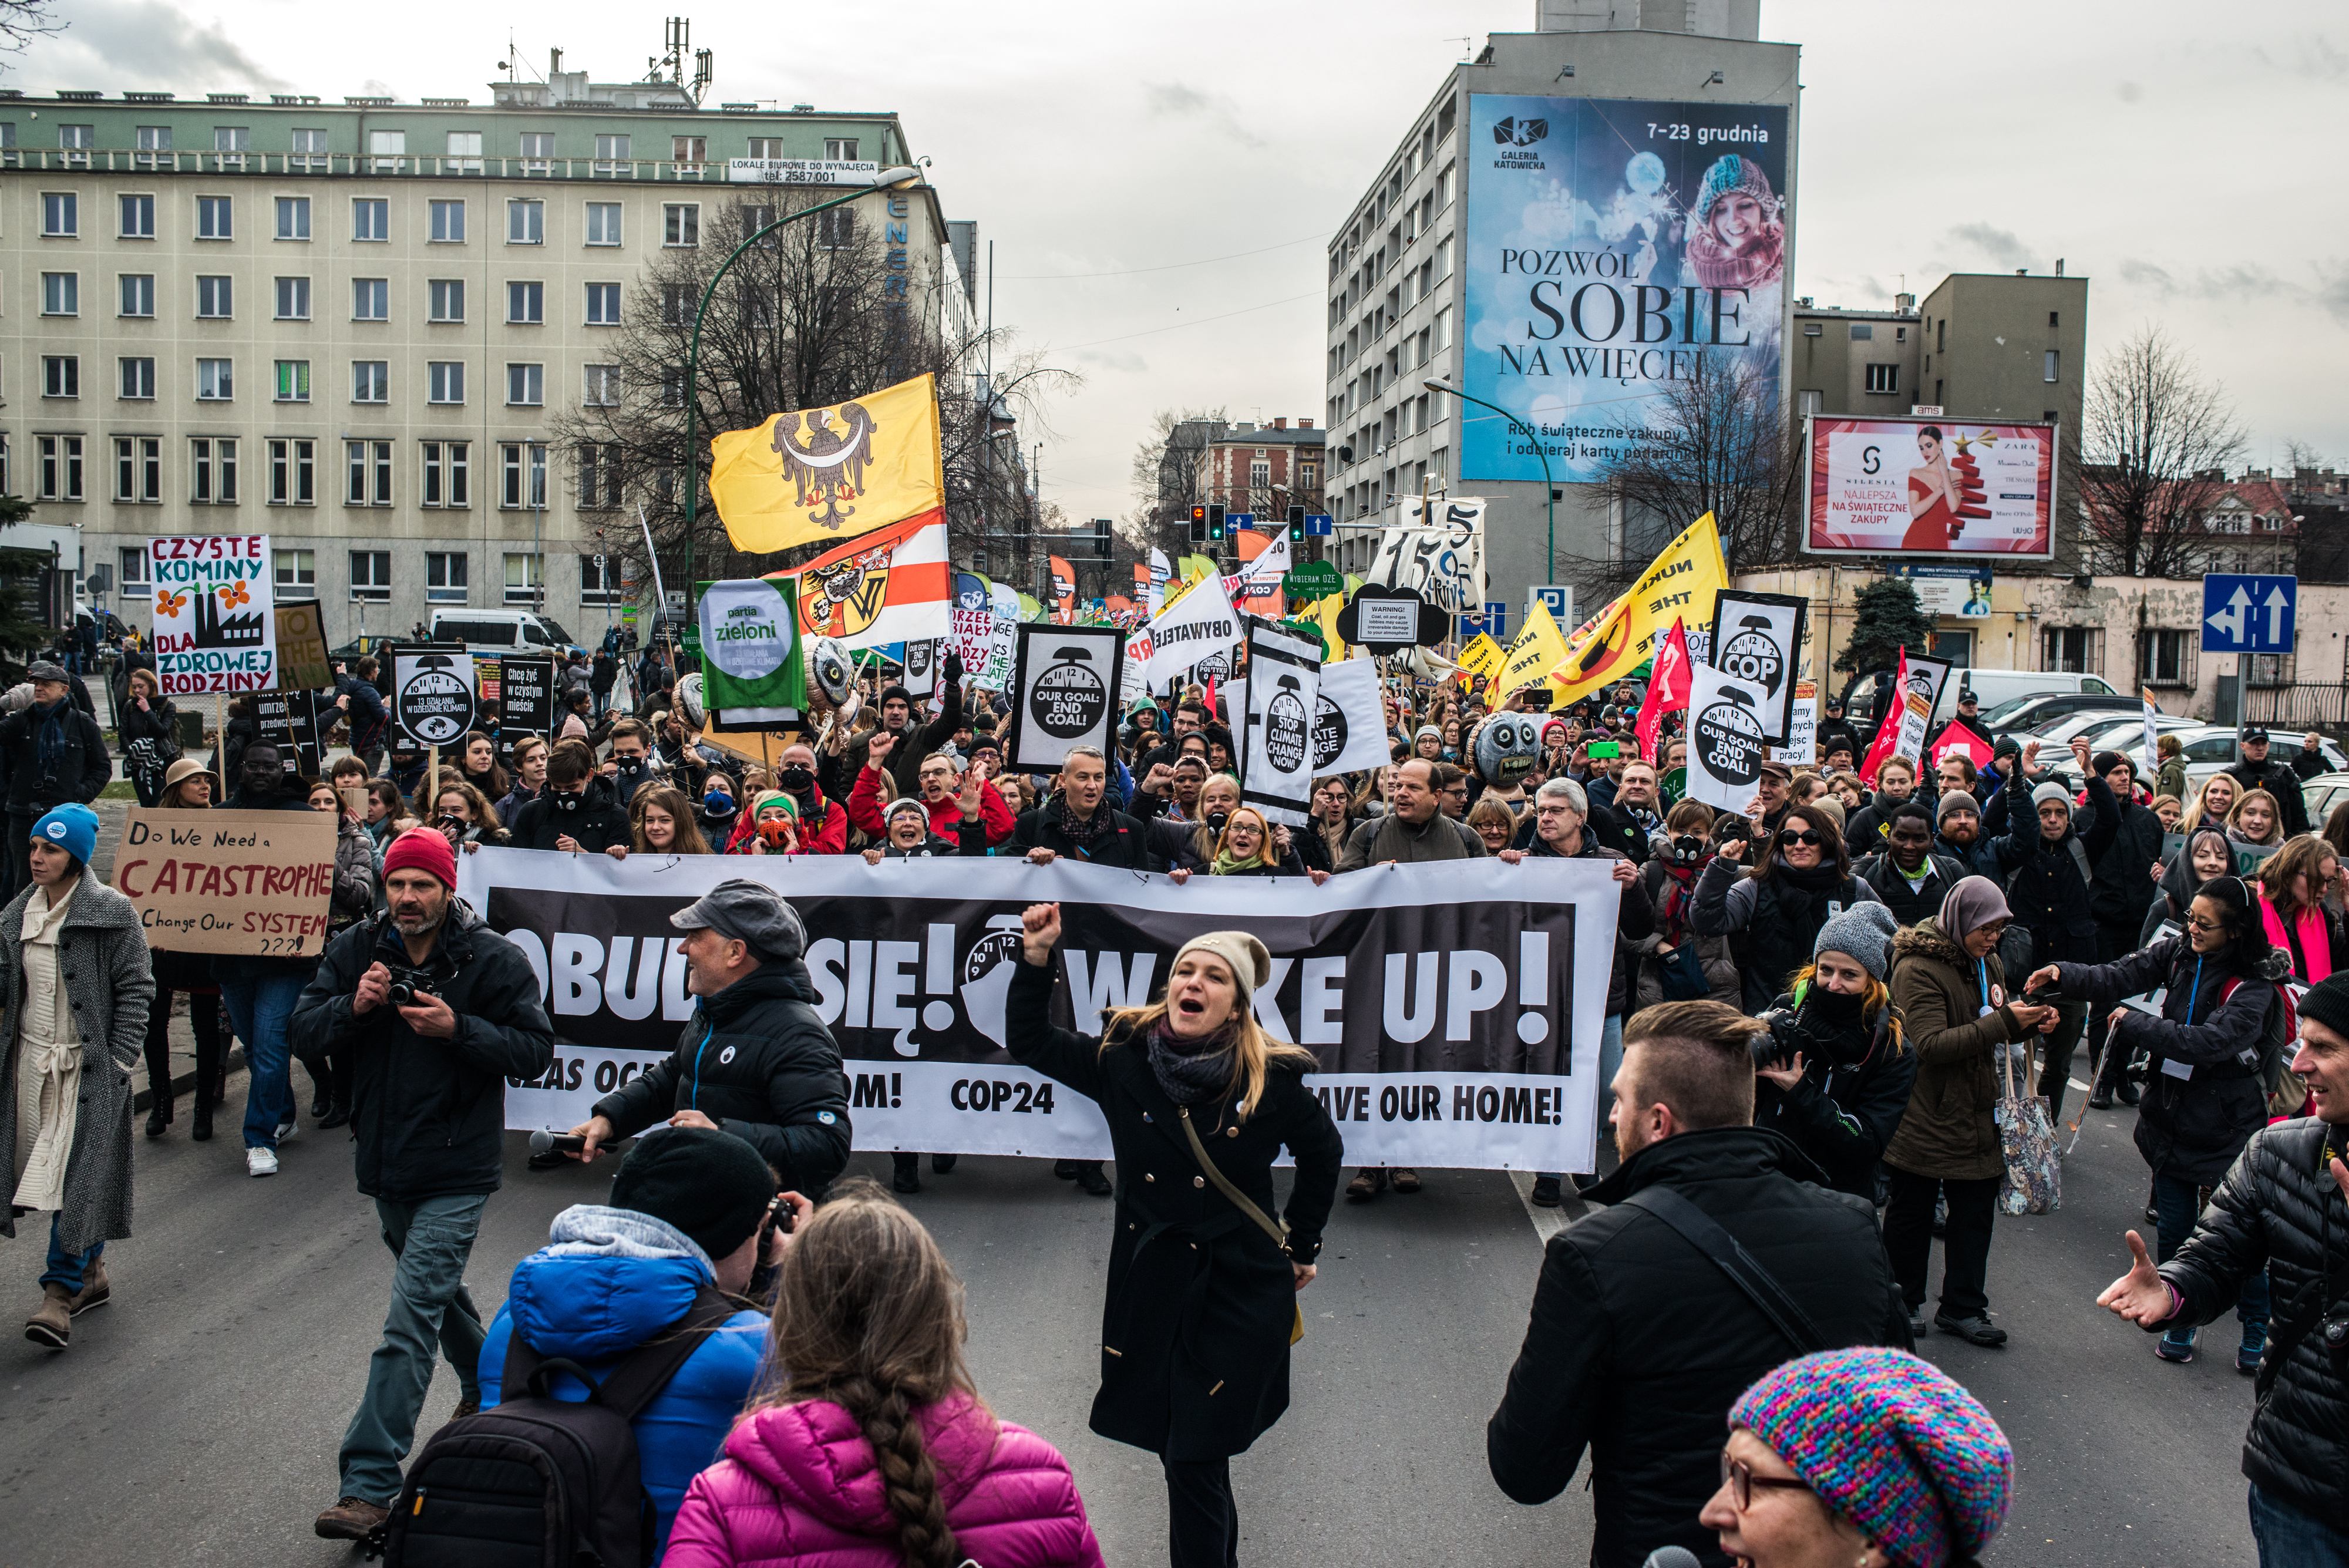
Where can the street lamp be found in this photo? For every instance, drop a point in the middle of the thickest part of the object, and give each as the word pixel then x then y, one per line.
pixel 900 178
pixel 1550 491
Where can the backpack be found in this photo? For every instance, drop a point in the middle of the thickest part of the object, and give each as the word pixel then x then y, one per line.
pixel 535 1479
pixel 2282 1088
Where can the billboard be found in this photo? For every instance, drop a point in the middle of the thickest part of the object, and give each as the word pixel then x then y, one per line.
pixel 1934 487
pixel 1609 246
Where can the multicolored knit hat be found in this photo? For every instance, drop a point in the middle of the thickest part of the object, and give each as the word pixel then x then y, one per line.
pixel 1893 1445
pixel 1731 172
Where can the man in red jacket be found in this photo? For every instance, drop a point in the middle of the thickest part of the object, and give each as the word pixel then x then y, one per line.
pixel 939 782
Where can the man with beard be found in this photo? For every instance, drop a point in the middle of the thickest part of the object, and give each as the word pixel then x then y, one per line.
pixel 910 742
pixel 938 782
pixel 1958 834
pixel 53 754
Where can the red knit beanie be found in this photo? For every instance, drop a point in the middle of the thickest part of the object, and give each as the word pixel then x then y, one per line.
pixel 427 850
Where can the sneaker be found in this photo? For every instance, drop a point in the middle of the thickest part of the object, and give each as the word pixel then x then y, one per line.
pixel 351 1518
pixel 263 1162
pixel 338 1116
pixel 1975 1329
pixel 2175 1346
pixel 1404 1178
pixel 287 1130
pixel 2255 1345
pixel 1545 1193
pixel 1368 1183
pixel 465 1407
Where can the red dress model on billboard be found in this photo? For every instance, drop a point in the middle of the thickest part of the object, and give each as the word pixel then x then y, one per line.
pixel 1944 492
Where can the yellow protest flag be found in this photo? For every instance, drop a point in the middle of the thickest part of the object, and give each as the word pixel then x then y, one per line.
pixel 1678 585
pixel 1538 648
pixel 1324 614
pixel 1480 657
pixel 822 475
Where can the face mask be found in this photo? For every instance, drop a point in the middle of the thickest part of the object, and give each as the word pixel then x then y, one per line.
pixel 568 802
pixel 1687 849
pixel 797 779
pixel 632 766
pixel 717 803
pixel 1216 819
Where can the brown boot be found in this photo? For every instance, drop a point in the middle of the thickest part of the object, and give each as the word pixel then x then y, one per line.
pixel 53 1325
pixel 351 1518
pixel 95 1290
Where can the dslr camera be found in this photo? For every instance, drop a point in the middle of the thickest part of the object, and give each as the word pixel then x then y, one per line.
pixel 407 984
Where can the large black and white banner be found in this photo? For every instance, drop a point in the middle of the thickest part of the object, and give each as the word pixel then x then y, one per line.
pixel 1456 1007
pixel 1282 703
pixel 1350 725
pixel 1757 641
pixel 1726 750
pixel 1064 690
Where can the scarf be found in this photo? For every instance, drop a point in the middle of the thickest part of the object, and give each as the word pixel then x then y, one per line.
pixel 1081 834
pixel 1680 886
pixel 1194 1072
pixel 2305 936
pixel 1232 865
pixel 49 738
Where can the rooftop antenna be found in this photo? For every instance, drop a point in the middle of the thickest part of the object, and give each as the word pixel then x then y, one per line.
pixel 1464 43
pixel 677 41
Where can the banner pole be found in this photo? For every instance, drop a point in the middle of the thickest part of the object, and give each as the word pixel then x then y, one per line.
pixel 220 741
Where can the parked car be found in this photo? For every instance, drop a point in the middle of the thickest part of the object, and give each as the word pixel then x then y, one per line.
pixel 1999 687
pixel 2027 713
pixel 2324 793
pixel 2211 747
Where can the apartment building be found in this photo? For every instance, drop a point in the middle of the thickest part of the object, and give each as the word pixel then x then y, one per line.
pixel 351 326
pixel 1264 469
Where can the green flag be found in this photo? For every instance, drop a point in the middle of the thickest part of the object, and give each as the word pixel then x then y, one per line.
pixel 751 669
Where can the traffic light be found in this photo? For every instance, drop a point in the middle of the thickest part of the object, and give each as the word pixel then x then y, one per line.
pixel 1297 524
pixel 1214 523
pixel 1198 524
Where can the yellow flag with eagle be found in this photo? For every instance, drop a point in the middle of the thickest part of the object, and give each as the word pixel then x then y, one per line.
pixel 822 475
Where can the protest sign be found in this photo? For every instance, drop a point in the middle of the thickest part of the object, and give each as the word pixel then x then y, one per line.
pixel 213 628
pixel 1803 730
pixel 1350 725
pixel 431 692
pixel 1915 688
pixel 1064 694
pixel 289 721
pixel 1725 745
pixel 1198 627
pixel 253 883
pixel 303 664
pixel 752 671
pixel 526 698
pixel 1757 638
pixel 1455 1007
pixel 1280 703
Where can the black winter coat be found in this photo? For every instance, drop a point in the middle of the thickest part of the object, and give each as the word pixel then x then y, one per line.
pixel 1635 918
pixel 429 1117
pixel 1639 1344
pixel 2125 870
pixel 1848 1102
pixel 82 766
pixel 1123 841
pixel 1910 904
pixel 2279 1209
pixel 150 745
pixel 2191 1128
pixel 2276 777
pixel 757 1060
pixel 1194 1331
pixel 1863 834
pixel 2043 885
pixel 1771 922
pixel 595 822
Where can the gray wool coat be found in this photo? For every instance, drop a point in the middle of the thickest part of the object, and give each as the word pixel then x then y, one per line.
pixel 102 957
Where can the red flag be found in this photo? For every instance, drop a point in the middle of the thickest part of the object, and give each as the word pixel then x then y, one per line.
pixel 1888 734
pixel 1668 691
pixel 1957 738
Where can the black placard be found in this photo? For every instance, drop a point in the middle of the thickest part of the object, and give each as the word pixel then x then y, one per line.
pixel 289 722
pixel 525 699
pixel 1064 690
pixel 432 693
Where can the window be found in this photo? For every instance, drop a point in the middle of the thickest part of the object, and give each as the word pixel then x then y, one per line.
pixel 1863 332
pixel 293 299
pixel 61 214
pixel 133 572
pixel 840 149
pixel 309 151
pixel 2164 658
pixel 672 389
pixel 1308 474
pixel 231 141
pixel 751 220
pixel 138 217
pixel 138 378
pixel 599 476
pixel 387 148
pixel 213 218
pixel 370 381
pixel 526 386
pixel 603 223
pixel 448 299
pixel 836 228
pixel 76 141
pixel 603 304
pixel 2054 371
pixel 599 580
pixel 138 294
pixel 370 300
pixel 516 462
pixel 296 569
pixel 149 141
pixel 293 482
pixel 215 380
pixel 525 304
pixel 60 376
pixel 611 151
pixel 444 576
pixel 1259 475
pixel 681 223
pixel 139 471
pixel 447 481
pixel 61 294
pixel 213 298
pixel 525 578
pixel 293 380
pixel 370 574
pixel 766 147
pixel 1884 377
pixel 689 151
pixel 525 222
pixel 61 459
pixel 448 222
pixel 447 377
pixel 2079 649
pixel 602 388
pixel 464 154
pixel 537 147
pixel 293 217
pixel 676 298
pixel 211 465
pixel 371 219
pixel 369 475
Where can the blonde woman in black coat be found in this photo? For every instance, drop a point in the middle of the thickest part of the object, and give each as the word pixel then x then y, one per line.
pixel 1202 1299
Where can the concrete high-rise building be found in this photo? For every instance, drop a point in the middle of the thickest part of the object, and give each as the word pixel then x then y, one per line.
pixel 351 326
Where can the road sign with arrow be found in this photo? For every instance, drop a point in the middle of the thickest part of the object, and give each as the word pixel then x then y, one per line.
pixel 2248 612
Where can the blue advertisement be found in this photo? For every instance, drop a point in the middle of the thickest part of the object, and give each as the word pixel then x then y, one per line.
pixel 1611 246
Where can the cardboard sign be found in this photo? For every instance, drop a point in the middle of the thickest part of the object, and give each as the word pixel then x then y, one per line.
pixel 289 722
pixel 431 692
pixel 1281 703
pixel 1757 641
pixel 247 882
pixel 1725 745
pixel 302 661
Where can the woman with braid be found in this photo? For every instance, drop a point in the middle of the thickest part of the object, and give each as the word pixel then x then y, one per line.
pixel 869 1447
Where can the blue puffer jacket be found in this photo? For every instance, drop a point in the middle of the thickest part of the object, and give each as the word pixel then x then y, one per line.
pixel 609 1280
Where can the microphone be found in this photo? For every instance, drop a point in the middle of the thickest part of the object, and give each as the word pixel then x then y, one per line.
pixel 546 1138
pixel 1672 1557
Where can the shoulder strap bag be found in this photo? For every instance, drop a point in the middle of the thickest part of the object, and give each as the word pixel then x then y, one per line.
pixel 1244 1203
pixel 1700 1231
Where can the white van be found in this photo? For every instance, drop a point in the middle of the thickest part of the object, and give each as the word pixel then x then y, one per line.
pixel 1997 686
pixel 496 631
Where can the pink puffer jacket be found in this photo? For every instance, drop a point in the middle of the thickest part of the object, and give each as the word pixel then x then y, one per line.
pixel 799 1489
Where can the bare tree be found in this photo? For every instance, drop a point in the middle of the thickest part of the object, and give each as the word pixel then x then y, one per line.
pixel 1719 443
pixel 21 21
pixel 2156 441
pixel 1165 477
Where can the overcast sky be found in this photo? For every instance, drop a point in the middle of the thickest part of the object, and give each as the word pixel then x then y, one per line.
pixel 1124 161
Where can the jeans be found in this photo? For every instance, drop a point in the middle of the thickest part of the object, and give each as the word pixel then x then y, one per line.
pixel 65 1267
pixel 1965 1242
pixel 2290 1539
pixel 1202 1523
pixel 258 1009
pixel 432 1242
pixel 2179 1204
pixel 1610 1062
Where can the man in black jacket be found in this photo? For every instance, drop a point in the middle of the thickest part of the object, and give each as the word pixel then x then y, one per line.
pixel 915 742
pixel 1639 1340
pixel 577 812
pixel 1835 729
pixel 2257 770
pixel 1906 874
pixel 51 753
pixel 755 1060
pixel 1077 822
pixel 2117 897
pixel 436 1012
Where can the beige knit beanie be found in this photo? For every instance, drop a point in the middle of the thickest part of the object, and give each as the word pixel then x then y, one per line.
pixel 1248 959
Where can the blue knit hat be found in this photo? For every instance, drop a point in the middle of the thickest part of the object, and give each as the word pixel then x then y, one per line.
pixel 1893 1445
pixel 72 828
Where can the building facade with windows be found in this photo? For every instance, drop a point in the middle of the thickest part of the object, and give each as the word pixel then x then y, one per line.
pixel 350 326
pixel 1265 470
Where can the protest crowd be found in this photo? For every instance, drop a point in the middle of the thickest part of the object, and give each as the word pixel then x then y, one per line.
pixel 1841 1024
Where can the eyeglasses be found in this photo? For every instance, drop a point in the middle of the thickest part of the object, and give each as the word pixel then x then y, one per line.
pixel 2197 923
pixel 1740 1480
pixel 1809 835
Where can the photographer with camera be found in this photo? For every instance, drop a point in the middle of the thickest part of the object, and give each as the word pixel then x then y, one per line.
pixel 436 1012
pixel 52 754
pixel 1834 1074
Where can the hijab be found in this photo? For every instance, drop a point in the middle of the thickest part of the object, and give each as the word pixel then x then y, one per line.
pixel 1970 906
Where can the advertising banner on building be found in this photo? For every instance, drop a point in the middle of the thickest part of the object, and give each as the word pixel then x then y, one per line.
pixel 214 628
pixel 1934 487
pixel 1455 1007
pixel 1959 589
pixel 1610 244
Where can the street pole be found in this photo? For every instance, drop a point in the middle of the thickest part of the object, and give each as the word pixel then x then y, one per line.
pixel 1549 489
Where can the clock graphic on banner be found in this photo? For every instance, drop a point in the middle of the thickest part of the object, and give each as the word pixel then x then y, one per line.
pixel 1730 738
pixel 436 703
pixel 1069 699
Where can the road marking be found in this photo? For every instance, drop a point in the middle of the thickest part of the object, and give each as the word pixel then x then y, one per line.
pixel 1548 1222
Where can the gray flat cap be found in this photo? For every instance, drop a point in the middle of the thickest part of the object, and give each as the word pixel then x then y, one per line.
pixel 45 671
pixel 747 913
